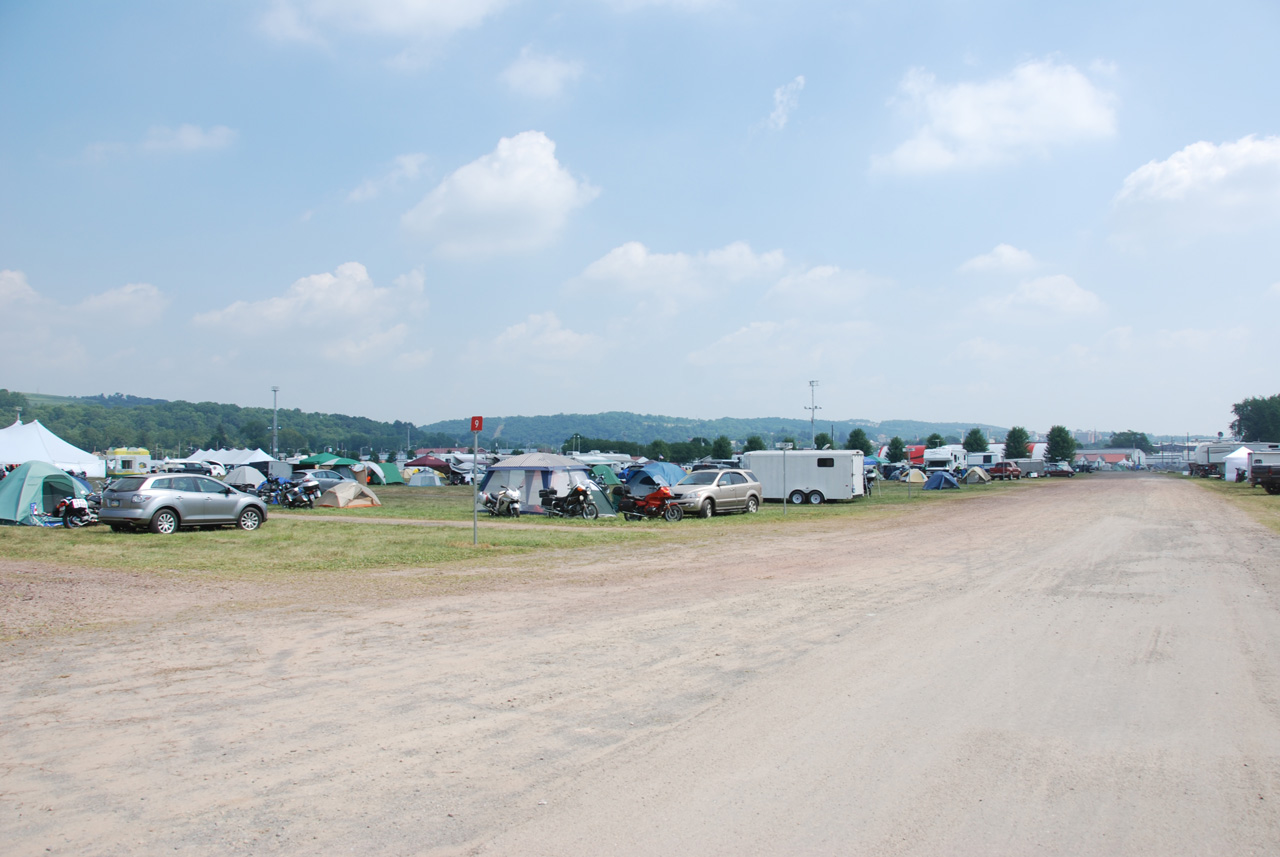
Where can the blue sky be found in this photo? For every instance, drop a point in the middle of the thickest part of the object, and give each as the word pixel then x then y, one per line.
pixel 423 210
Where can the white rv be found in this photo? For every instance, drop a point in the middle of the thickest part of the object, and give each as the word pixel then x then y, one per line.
pixel 807 475
pixel 984 459
pixel 950 458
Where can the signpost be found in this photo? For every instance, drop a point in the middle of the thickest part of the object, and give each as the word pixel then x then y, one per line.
pixel 477 424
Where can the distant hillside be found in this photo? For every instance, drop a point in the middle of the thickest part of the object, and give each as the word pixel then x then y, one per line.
pixel 521 432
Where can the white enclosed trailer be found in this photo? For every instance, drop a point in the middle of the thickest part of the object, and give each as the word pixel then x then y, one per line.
pixel 807 475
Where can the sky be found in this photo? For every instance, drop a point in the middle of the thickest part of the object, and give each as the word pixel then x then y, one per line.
pixel 1013 213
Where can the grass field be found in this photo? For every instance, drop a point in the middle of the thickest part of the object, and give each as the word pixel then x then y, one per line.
pixel 1261 506
pixel 319 540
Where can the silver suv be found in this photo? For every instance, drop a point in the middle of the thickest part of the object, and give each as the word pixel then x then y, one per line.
pixel 163 502
pixel 706 492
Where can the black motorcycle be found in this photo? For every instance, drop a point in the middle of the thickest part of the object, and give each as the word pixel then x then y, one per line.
pixel 575 504
pixel 76 512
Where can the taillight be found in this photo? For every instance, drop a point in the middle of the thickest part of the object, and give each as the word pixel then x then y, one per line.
pixel 139 498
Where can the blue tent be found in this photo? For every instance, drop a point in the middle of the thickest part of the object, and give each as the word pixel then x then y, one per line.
pixel 652 476
pixel 939 480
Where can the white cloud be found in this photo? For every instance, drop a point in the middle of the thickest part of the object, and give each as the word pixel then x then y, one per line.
pixel 344 311
pixel 1035 107
pixel 541 336
pixel 1275 289
pixel 768 351
pixel 825 286
pixel 516 198
pixel 32 321
pixel 983 350
pixel 187 138
pixel 1003 259
pixel 540 76
pixel 313 20
pixel 161 139
pixel 1206 187
pixel 785 100
pixel 404 169
pixel 666 281
pixel 1056 295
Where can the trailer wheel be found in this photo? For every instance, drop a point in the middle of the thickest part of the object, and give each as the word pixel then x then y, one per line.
pixel 815 498
pixel 796 497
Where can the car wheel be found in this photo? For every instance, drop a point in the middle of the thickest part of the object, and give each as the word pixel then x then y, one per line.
pixel 753 505
pixel 250 519
pixel 673 513
pixel 1272 488
pixel 796 497
pixel 164 522
pixel 589 511
pixel 815 498
pixel 707 509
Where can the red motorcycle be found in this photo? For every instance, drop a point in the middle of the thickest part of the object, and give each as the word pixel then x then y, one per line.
pixel 659 504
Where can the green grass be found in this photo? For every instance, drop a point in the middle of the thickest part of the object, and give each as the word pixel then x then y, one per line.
pixel 1257 503
pixel 307 541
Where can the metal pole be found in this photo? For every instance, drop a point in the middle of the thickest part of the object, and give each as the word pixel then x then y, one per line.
pixel 475 488
pixel 785 498
pixel 813 412
pixel 275 430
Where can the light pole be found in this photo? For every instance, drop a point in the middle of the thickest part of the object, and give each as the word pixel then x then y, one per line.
pixel 275 430
pixel 813 409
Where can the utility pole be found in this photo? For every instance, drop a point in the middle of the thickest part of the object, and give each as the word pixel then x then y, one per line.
pixel 813 409
pixel 275 429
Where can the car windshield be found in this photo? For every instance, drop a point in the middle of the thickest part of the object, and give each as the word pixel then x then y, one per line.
pixel 701 477
pixel 128 483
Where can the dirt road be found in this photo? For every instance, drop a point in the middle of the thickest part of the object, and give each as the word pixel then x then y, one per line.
pixel 1086 667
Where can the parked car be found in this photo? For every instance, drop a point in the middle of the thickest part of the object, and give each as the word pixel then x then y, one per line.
pixel 326 478
pixel 188 467
pixel 706 492
pixel 1059 469
pixel 1004 470
pixel 165 502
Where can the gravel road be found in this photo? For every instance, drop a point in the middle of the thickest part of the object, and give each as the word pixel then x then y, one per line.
pixel 1087 667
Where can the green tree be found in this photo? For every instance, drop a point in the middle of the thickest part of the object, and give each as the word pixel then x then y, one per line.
pixel 821 440
pixel 1062 446
pixel 1257 420
pixel 753 443
pixel 256 433
pixel 1132 440
pixel 858 440
pixel 218 440
pixel 658 449
pixel 9 404
pixel 1017 443
pixel 935 440
pixel 975 441
pixel 897 450
pixel 722 448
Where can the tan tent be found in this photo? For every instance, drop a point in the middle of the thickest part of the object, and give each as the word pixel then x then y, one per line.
pixel 349 495
pixel 915 477
pixel 976 476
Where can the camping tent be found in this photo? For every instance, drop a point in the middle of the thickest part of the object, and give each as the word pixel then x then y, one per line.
pixel 429 461
pixel 1236 462
pixel 35 488
pixel 652 476
pixel 939 480
pixel 912 475
pixel 20 443
pixel 539 471
pixel 385 473
pixel 349 495
pixel 245 478
pixel 230 458
pixel 425 478
pixel 976 476
pixel 603 475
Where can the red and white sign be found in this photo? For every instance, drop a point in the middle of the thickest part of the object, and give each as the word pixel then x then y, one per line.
pixel 477 423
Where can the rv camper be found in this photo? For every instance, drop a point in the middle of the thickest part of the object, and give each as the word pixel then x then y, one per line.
pixel 807 475
pixel 949 458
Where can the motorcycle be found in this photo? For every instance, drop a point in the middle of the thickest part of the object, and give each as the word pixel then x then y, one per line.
pixel 76 512
pixel 502 504
pixel 658 504
pixel 575 504
pixel 299 494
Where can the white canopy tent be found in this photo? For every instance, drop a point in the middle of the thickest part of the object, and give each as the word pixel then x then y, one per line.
pixel 1236 463
pixel 20 443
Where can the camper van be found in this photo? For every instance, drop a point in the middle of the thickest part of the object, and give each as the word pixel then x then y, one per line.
pixel 983 459
pixel 807 475
pixel 949 458
pixel 128 461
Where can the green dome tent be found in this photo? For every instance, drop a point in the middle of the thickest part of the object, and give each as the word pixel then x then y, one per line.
pixel 35 488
